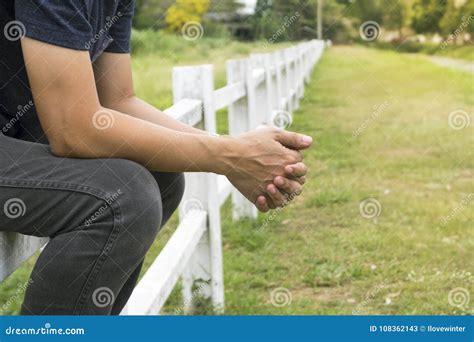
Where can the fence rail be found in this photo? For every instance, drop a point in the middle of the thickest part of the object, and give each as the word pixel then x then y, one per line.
pixel 262 90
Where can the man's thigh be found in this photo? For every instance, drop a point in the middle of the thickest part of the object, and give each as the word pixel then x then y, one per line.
pixel 43 195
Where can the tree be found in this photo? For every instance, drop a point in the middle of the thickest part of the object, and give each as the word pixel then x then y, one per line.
pixel 451 19
pixel 150 14
pixel 185 11
pixel 395 16
pixel 262 6
pixel 427 15
pixel 368 10
pixel 229 7
pixel 468 15
pixel 280 20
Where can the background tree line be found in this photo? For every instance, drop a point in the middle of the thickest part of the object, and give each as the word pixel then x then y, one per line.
pixel 341 19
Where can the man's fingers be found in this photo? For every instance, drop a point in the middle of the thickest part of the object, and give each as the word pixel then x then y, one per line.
pixel 261 204
pixel 276 196
pixel 296 170
pixel 294 141
pixel 271 204
pixel 289 186
pixel 296 155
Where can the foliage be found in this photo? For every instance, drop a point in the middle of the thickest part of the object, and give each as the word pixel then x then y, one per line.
pixel 451 18
pixel 150 14
pixel 427 15
pixel 287 20
pixel 396 16
pixel 227 6
pixel 280 20
pixel 459 18
pixel 366 10
pixel 185 11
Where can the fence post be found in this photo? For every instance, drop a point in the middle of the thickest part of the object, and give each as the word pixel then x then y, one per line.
pixel 307 62
pixel 270 85
pixel 300 77
pixel 280 81
pixel 239 122
pixel 257 93
pixel 287 80
pixel 274 62
pixel 201 191
pixel 312 53
pixel 294 77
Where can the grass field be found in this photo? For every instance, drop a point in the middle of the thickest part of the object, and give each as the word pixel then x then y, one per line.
pixel 462 52
pixel 380 123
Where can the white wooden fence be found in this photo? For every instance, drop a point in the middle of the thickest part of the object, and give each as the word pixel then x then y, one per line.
pixel 262 90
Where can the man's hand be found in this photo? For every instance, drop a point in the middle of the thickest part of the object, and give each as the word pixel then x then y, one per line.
pixel 260 161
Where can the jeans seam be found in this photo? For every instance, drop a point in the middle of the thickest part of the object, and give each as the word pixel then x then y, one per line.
pixel 93 191
pixel 100 260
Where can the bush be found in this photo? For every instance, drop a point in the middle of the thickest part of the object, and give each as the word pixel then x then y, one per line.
pixel 214 29
pixel 185 11
pixel 149 41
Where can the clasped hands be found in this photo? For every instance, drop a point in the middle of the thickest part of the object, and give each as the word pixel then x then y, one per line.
pixel 266 166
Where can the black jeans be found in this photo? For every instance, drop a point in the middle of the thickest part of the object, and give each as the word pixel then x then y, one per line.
pixel 101 216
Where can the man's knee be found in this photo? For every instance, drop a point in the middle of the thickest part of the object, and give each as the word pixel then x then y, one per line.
pixel 172 190
pixel 139 201
pixel 175 191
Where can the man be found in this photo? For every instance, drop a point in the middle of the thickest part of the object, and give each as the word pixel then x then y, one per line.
pixel 86 163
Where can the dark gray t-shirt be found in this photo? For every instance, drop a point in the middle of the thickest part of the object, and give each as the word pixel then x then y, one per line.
pixel 92 25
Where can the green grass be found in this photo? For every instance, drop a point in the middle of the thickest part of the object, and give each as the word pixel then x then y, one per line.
pixel 408 158
pixel 464 52
pixel 320 248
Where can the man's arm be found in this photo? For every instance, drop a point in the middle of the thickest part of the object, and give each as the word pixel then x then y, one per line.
pixel 77 125
pixel 114 81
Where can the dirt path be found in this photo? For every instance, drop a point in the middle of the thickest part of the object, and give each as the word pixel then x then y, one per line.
pixel 453 63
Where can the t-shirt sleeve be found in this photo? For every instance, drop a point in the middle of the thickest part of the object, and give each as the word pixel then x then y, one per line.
pixel 59 22
pixel 121 27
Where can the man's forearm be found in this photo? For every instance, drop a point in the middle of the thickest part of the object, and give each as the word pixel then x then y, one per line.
pixel 111 134
pixel 140 109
